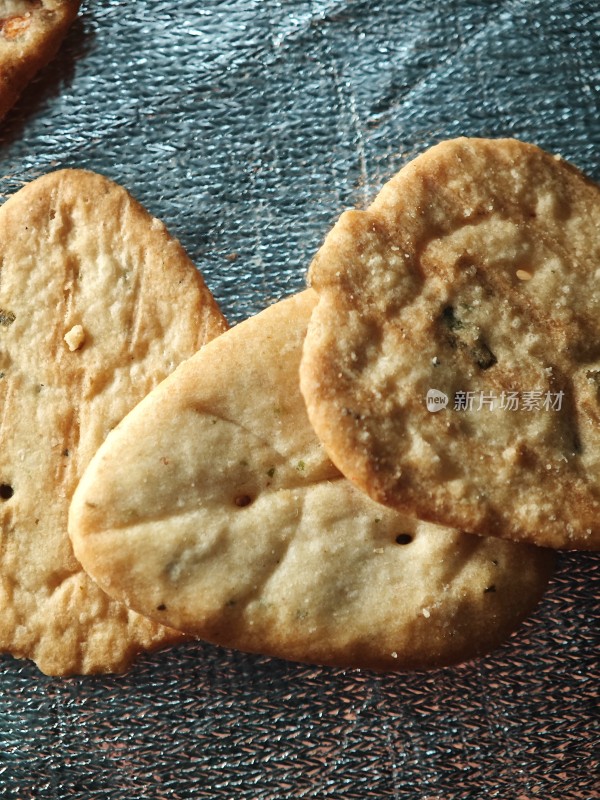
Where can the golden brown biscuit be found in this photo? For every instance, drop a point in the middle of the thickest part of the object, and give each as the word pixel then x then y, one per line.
pixel 97 304
pixel 214 508
pixel 30 34
pixel 472 280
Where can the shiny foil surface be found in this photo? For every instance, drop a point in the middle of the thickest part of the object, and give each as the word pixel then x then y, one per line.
pixel 247 126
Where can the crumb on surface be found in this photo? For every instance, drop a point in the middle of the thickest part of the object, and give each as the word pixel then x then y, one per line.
pixel 524 275
pixel 75 338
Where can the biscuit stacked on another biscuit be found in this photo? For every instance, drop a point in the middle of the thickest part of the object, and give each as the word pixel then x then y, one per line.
pixel 474 276
pixel 226 519
pixel 471 276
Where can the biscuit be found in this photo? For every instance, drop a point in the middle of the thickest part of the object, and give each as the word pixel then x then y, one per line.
pixel 97 304
pixel 31 32
pixel 214 509
pixel 471 279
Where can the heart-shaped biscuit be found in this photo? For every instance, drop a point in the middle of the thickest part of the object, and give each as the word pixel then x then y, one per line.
pixel 214 509
pixel 451 367
pixel 30 34
pixel 97 305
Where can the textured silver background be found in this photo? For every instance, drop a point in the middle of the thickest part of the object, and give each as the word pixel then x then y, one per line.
pixel 247 126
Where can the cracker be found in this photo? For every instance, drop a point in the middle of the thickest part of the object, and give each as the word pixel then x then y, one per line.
pixel 214 509
pixel 31 32
pixel 472 277
pixel 97 304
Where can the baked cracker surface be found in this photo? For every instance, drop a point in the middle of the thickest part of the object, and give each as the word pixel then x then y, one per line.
pixel 473 278
pixel 223 517
pixel 97 305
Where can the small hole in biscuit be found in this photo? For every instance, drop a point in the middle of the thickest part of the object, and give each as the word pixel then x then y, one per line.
pixel 6 491
pixel 242 500
pixel 404 538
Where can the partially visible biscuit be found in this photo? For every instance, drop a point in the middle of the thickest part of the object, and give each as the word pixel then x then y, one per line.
pixel 474 277
pixel 212 507
pixel 97 305
pixel 31 32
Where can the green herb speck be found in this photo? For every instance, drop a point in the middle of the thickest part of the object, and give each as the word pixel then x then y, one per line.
pixel 6 318
pixel 271 472
pixel 300 466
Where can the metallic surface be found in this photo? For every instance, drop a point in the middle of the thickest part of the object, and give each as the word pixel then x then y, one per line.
pixel 247 126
